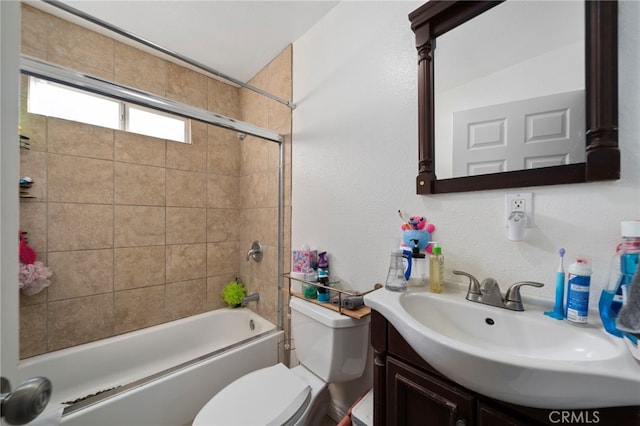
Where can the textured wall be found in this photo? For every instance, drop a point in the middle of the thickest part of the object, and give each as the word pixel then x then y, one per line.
pixel 139 230
pixel 355 162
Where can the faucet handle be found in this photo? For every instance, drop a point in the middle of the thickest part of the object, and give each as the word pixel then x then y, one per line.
pixel 474 286
pixel 512 299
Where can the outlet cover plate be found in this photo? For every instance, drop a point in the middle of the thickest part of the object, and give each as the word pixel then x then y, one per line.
pixel 520 201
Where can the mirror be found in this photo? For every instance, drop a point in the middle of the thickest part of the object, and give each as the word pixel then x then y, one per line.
pixel 567 126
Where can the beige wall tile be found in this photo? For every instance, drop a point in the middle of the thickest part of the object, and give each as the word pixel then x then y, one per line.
pixel 139 267
pixel 74 138
pixel 186 189
pixel 186 85
pixel 266 270
pixel 186 262
pixel 223 225
pixel 140 149
pixel 186 225
pixel 72 44
pixel 33 328
pixel 286 237
pixel 260 189
pixel 139 185
pixel 34 165
pixel 137 226
pixel 33 29
pixel 191 156
pixel 279 117
pixel 79 226
pixel 139 308
pixel 36 299
pixel 223 98
pixel 260 224
pixel 75 321
pixel 73 179
pixel 223 192
pixel 267 306
pixel 277 74
pixel 135 68
pixel 287 185
pixel 80 273
pixel 33 220
pixel 186 298
pixel 273 156
pixel 253 108
pixel 223 152
pixel 254 155
pixel 223 258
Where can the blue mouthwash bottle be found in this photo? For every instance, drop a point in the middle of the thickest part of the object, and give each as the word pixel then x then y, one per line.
pixel 624 266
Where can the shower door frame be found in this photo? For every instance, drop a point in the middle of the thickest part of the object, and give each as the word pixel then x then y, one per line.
pixel 9 173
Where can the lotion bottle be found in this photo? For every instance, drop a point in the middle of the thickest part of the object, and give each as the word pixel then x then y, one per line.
pixel 436 269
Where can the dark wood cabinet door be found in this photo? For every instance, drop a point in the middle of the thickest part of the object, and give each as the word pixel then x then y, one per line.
pixel 417 398
pixel 492 416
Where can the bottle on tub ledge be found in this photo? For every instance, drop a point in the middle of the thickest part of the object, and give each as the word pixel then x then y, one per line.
pixel 323 277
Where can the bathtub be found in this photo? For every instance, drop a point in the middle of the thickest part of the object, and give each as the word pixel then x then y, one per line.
pixel 162 375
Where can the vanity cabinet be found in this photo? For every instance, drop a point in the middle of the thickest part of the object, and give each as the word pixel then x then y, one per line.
pixel 408 391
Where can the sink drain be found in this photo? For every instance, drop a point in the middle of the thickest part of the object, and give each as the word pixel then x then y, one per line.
pixel 489 321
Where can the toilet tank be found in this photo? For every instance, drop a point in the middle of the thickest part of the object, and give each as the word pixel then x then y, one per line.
pixel 332 345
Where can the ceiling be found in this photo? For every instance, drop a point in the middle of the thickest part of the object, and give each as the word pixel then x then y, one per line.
pixel 237 38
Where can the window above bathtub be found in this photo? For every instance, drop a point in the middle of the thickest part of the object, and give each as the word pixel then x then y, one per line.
pixel 60 101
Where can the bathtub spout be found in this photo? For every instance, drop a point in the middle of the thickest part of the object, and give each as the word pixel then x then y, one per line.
pixel 255 297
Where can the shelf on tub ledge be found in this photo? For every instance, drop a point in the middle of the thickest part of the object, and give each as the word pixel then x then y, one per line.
pixel 359 313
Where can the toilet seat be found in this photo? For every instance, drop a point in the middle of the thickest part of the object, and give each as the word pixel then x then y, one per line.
pixel 269 396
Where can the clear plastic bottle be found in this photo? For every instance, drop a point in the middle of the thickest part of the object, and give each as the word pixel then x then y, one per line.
pixel 623 266
pixel 396 280
pixel 436 269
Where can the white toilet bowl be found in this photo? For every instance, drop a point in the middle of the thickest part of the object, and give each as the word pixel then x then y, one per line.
pixel 274 395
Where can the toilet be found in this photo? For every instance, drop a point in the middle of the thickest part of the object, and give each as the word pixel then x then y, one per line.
pixel 331 347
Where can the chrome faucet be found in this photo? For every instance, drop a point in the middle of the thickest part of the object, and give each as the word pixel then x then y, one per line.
pixel 255 251
pixel 255 297
pixel 488 292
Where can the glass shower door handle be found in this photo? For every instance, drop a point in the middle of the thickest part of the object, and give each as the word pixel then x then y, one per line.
pixel 26 402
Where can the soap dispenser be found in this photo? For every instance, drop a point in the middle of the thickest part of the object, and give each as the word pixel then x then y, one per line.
pixel 419 270
pixel 436 269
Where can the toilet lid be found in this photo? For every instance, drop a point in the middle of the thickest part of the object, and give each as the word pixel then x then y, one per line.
pixel 269 396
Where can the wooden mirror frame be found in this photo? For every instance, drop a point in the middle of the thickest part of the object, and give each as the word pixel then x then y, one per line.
pixel 601 84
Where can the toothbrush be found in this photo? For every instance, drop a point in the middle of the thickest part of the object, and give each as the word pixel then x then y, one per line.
pixel 558 309
pixel 406 225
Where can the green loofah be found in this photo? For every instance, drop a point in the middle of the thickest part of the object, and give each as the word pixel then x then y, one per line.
pixel 233 293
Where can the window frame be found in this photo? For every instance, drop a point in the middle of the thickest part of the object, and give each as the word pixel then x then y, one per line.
pixel 123 119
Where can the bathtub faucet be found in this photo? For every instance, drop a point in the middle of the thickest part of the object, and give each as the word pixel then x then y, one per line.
pixel 255 251
pixel 255 297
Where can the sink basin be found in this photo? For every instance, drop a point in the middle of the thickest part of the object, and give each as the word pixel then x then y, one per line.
pixel 505 332
pixel 524 358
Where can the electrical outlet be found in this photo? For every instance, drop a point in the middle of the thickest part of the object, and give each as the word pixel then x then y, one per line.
pixel 520 202
pixel 518 205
